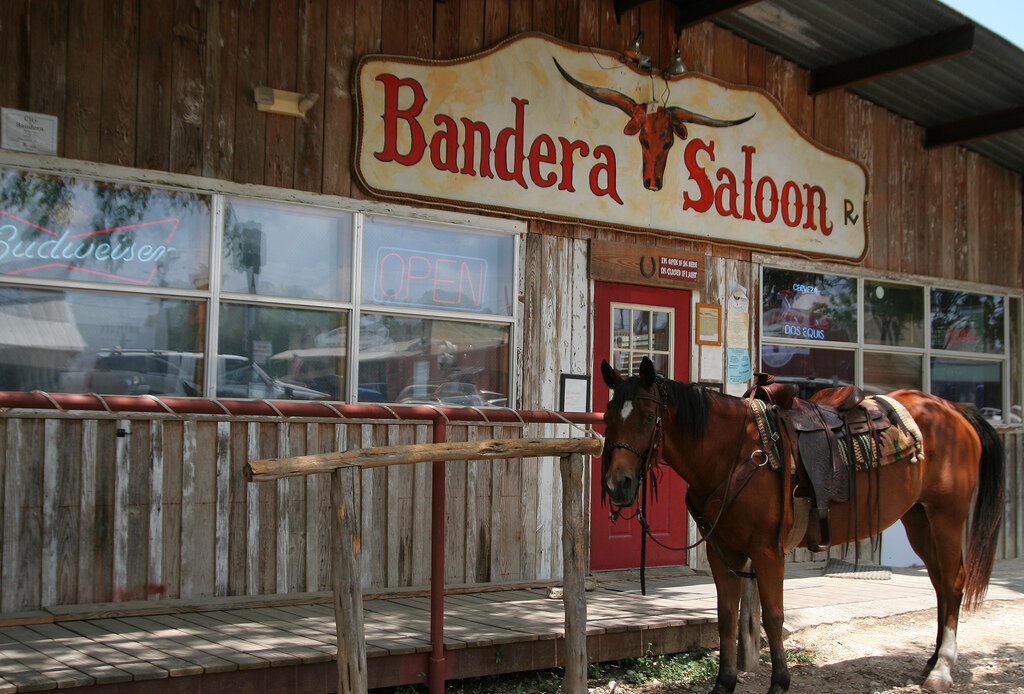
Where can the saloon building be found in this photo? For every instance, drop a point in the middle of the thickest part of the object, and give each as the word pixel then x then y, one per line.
pixel 237 230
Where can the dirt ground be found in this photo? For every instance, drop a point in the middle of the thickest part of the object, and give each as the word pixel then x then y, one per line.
pixel 865 655
pixel 886 655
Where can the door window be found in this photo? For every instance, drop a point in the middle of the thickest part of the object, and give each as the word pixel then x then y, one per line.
pixel 642 331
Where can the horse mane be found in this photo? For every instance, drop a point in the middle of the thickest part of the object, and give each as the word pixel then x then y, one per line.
pixel 689 399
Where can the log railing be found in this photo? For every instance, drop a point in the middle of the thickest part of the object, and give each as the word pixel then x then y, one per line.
pixel 348 606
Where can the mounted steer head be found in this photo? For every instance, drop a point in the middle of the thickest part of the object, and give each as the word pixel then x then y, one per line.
pixel 656 125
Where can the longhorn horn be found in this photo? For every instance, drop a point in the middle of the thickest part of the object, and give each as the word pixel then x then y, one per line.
pixel 605 96
pixel 682 115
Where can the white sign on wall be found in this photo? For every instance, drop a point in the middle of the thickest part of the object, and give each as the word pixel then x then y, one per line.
pixel 23 131
pixel 540 128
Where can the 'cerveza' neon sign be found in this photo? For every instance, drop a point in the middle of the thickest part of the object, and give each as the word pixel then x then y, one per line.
pixel 803 315
pixel 436 280
pixel 132 256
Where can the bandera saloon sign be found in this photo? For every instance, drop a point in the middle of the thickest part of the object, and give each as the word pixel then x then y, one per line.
pixel 540 128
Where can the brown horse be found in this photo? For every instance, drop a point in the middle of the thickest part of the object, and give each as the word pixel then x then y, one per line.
pixel 709 438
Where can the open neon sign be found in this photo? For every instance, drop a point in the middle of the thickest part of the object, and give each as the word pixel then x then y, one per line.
pixel 434 280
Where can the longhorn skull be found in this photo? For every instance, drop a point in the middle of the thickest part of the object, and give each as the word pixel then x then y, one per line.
pixel 657 126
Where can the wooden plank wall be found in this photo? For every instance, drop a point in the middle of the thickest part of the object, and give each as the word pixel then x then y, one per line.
pixel 112 509
pixel 168 86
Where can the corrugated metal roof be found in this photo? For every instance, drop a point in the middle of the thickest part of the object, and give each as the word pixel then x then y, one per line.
pixel 820 33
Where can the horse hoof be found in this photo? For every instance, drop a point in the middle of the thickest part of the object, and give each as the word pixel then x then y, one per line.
pixel 937 683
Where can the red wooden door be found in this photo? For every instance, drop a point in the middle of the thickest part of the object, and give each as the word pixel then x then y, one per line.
pixel 632 322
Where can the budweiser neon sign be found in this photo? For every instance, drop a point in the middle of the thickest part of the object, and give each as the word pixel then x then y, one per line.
pixel 540 128
pixel 131 256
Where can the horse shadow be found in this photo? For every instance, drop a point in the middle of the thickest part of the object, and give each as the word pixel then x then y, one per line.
pixel 995 671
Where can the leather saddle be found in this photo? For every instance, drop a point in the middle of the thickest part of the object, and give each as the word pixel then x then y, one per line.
pixel 823 431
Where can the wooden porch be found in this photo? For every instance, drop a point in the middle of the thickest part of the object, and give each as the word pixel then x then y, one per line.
pixel 287 643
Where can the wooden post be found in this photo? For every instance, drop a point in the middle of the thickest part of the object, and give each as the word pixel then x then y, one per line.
pixel 749 655
pixel 348 588
pixel 574 562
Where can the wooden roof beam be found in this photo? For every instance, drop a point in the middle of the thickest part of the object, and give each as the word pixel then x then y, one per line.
pixel 688 12
pixel 975 128
pixel 930 49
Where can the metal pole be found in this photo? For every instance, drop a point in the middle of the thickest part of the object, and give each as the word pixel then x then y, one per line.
pixel 438 493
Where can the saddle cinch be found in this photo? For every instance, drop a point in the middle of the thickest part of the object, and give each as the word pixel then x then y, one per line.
pixel 835 433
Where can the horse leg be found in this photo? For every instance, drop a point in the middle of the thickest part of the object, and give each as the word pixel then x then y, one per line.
pixel 727 587
pixel 770 573
pixel 919 533
pixel 937 541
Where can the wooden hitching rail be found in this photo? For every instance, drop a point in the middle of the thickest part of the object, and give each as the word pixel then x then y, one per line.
pixel 348 599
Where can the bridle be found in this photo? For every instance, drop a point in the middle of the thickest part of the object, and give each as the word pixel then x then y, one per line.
pixel 649 459
pixel 739 474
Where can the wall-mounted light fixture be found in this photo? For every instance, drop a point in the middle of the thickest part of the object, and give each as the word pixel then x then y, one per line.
pixel 676 66
pixel 633 53
pixel 282 102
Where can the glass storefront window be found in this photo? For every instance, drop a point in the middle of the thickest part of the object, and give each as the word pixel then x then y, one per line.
pixel 965 322
pixel 811 368
pixel 421 360
pixel 893 315
pixel 886 371
pixel 972 381
pixel 809 306
pixel 287 250
pixel 417 265
pixel 67 228
pixel 93 342
pixel 281 352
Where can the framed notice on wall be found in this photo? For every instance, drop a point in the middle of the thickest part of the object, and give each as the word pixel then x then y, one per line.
pixel 709 324
pixel 574 395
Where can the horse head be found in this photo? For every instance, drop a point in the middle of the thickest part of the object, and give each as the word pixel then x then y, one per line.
pixel 634 426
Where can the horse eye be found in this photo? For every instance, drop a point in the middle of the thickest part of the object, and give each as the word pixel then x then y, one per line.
pixel 650 418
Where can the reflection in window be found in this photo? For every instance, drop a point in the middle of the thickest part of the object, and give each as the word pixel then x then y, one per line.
pixel 88 342
pixel 287 250
pixel 893 314
pixel 809 306
pixel 641 331
pixel 886 371
pixel 284 353
pixel 432 266
pixel 812 369
pixel 62 227
pixel 421 360
pixel 965 322
pixel 972 381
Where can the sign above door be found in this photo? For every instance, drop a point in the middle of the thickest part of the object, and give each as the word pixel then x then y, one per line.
pixel 540 128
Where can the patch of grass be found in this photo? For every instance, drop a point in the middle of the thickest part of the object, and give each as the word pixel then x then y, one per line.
pixel 800 656
pixel 695 665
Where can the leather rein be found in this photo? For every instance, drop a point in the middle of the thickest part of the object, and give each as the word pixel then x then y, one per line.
pixel 725 493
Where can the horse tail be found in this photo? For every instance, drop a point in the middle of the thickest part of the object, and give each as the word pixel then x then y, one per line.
pixel 988 511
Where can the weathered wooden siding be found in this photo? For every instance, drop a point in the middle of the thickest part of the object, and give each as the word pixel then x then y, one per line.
pixel 99 509
pixel 168 86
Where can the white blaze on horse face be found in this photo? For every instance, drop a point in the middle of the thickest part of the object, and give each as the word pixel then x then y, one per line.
pixel 626 410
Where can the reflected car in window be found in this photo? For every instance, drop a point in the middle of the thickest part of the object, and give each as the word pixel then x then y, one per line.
pixel 129 372
pixel 454 393
pixel 240 378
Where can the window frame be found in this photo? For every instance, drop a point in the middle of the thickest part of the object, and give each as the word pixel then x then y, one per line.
pixel 1011 381
pixel 219 192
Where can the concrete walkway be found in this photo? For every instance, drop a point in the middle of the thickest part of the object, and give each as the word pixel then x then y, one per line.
pixel 812 598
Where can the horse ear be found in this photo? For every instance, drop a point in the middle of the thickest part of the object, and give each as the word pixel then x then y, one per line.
pixel 647 374
pixel 612 377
